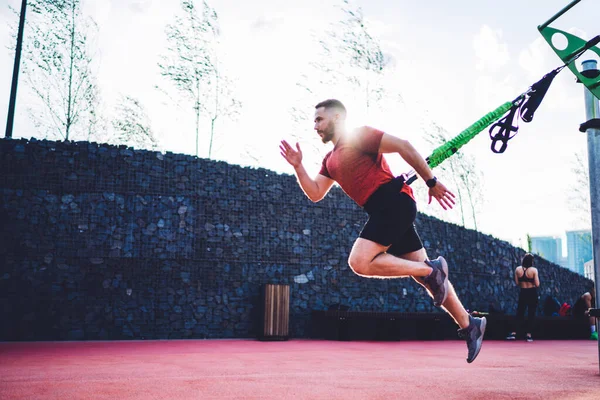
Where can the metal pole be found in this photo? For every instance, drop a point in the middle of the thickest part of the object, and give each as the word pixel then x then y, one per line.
pixel 558 14
pixel 592 110
pixel 15 79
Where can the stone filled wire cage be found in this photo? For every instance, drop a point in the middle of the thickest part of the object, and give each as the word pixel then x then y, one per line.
pixel 105 242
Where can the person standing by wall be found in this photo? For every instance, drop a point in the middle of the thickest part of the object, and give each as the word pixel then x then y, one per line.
pixel 527 278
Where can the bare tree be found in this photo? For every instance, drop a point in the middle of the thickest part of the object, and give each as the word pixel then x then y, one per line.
pixel 362 61
pixel 349 53
pixel 193 67
pixel 223 105
pixel 461 170
pixel 301 116
pixel 97 126
pixel 132 125
pixel 472 180
pixel 579 195
pixel 350 57
pixel 58 67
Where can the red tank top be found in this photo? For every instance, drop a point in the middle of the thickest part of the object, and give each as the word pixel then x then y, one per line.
pixel 357 166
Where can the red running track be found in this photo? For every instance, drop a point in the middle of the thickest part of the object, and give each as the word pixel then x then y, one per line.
pixel 298 369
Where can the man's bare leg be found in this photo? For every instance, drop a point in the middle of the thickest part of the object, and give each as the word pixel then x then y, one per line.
pixel 452 305
pixel 369 259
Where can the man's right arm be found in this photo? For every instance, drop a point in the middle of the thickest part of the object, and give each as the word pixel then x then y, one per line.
pixel 315 189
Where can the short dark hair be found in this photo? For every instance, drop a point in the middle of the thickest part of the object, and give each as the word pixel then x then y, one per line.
pixel 332 103
pixel 527 260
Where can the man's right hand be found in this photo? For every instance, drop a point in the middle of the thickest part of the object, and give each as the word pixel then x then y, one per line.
pixel 442 195
pixel 294 157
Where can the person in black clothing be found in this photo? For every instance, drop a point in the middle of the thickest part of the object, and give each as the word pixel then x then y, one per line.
pixel 581 310
pixel 527 278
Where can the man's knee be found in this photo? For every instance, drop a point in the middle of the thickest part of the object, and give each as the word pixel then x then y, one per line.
pixel 362 255
pixel 358 264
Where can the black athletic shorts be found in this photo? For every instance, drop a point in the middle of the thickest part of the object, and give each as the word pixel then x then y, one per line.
pixel 392 219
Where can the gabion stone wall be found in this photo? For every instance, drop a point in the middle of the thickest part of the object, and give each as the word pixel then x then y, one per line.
pixel 103 242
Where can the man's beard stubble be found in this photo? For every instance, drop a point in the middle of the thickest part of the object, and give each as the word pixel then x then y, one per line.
pixel 328 133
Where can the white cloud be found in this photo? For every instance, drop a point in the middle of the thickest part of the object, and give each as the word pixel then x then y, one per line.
pixel 98 10
pixel 451 76
pixel 492 87
pixel 535 59
pixel 268 22
pixel 493 91
pixel 538 59
pixel 490 51
pixel 380 28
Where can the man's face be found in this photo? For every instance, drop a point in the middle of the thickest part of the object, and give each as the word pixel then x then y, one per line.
pixel 325 123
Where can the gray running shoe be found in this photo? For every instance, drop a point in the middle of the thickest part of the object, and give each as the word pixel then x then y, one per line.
pixel 438 280
pixel 474 336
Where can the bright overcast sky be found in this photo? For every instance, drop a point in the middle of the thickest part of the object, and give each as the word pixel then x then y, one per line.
pixel 454 60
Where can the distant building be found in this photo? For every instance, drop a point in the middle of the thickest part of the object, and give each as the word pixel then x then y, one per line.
pixel 564 262
pixel 547 247
pixel 588 270
pixel 579 250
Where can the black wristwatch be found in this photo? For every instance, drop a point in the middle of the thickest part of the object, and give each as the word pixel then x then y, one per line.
pixel 431 182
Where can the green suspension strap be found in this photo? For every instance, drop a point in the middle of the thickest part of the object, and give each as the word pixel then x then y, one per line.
pixel 527 103
pixel 501 131
pixel 449 148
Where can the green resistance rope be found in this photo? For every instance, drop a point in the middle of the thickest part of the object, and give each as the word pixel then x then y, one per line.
pixel 450 147
pixel 574 49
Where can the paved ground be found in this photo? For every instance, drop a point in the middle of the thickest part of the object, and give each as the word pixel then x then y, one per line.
pixel 298 369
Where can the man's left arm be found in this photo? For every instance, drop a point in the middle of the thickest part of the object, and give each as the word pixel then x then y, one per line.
pixel 392 144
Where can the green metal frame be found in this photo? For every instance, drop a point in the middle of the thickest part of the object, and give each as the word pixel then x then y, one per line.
pixel 574 47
